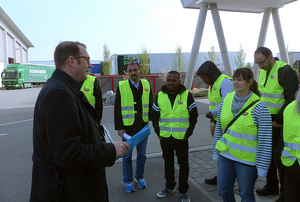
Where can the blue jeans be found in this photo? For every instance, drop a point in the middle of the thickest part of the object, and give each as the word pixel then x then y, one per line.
pixel 246 176
pixel 140 162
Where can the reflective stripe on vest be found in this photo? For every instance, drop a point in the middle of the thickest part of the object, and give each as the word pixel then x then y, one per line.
pixel 291 135
pixel 127 102
pixel 213 104
pixel 272 92
pixel 241 137
pixel 88 89
pixel 214 93
pixel 173 120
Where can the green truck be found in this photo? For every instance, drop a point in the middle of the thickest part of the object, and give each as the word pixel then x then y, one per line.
pixel 18 75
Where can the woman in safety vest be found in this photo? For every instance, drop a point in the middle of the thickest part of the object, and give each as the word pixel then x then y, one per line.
pixel 244 147
pixel 290 156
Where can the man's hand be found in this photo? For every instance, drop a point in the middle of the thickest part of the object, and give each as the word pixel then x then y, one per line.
pixel 159 137
pixel 209 115
pixel 185 138
pixel 121 132
pixel 276 125
pixel 121 148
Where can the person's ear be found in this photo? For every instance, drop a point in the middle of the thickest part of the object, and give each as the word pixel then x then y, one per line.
pixel 250 82
pixel 71 61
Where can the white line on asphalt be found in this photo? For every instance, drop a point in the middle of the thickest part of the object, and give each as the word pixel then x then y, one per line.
pixel 4 124
pixel 108 124
pixel 108 106
pixel 3 134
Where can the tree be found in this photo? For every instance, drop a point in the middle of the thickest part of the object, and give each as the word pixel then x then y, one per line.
pixel 107 60
pixel 144 61
pixel 249 65
pixel 240 58
pixel 211 54
pixel 164 75
pixel 179 64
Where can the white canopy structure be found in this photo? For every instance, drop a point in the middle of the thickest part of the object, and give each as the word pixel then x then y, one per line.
pixel 250 6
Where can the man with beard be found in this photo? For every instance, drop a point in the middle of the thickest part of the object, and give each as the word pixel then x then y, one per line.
pixel 277 84
pixel 132 104
pixel 174 119
pixel 219 86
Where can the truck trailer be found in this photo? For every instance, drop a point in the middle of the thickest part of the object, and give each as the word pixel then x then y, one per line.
pixel 18 75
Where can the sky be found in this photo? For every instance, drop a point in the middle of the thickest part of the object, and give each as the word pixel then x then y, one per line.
pixel 128 26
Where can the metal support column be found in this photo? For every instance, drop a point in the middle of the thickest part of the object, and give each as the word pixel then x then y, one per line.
pixel 262 37
pixel 221 39
pixel 196 46
pixel 279 35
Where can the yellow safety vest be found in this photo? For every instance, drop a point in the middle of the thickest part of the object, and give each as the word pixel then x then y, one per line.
pixel 214 94
pixel 241 137
pixel 127 102
pixel 173 120
pixel 272 93
pixel 88 89
pixel 291 135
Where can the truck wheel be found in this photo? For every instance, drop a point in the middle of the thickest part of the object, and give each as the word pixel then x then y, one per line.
pixel 7 88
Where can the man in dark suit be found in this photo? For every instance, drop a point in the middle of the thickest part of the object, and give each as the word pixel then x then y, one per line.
pixel 69 157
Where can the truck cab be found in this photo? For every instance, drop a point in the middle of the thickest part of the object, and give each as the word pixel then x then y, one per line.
pixel 12 78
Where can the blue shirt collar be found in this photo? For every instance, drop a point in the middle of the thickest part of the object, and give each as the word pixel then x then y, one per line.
pixel 135 84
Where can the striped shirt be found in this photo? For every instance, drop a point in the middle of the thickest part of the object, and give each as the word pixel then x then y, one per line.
pixel 262 119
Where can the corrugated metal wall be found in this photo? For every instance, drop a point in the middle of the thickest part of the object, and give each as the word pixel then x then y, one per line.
pixel 10 47
pixel 24 56
pixel 18 53
pixel 1 45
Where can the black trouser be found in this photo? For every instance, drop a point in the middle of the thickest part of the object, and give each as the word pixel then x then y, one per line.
pixel 292 183
pixel 277 147
pixel 168 146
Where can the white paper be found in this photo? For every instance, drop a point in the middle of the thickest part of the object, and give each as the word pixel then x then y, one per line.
pixel 126 136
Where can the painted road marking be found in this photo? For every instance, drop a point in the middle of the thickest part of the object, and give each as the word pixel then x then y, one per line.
pixel 5 124
pixel 3 134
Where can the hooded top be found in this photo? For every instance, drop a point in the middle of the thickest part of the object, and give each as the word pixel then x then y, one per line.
pixel 209 69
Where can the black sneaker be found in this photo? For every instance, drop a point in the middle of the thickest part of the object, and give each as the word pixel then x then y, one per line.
pixel 184 198
pixel 165 192
pixel 212 181
pixel 266 190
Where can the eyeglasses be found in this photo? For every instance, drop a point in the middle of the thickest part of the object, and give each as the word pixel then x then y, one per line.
pixel 86 57
pixel 260 63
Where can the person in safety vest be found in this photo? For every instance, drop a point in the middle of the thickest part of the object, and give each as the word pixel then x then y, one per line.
pixel 132 103
pixel 277 84
pixel 244 150
pixel 290 156
pixel 174 118
pixel 219 86
pixel 92 90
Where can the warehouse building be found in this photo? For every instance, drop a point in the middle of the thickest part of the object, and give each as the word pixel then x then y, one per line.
pixel 14 44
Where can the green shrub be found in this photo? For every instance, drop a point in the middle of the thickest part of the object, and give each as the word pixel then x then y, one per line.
pixel 200 94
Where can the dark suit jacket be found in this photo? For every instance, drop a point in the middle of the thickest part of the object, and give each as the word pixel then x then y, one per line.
pixel 69 158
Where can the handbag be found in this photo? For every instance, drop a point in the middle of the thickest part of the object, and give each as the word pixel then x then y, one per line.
pixel 239 114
